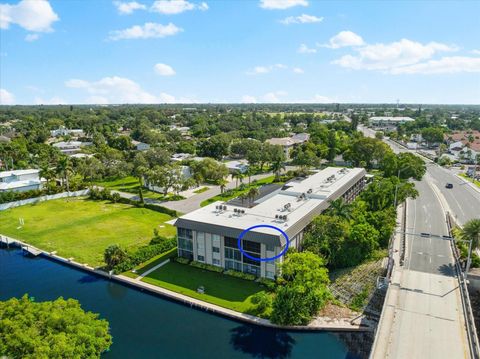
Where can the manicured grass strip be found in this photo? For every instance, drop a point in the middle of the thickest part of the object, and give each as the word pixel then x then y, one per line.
pixel 82 228
pixel 201 190
pixel 477 183
pixel 237 192
pixel 142 268
pixel 220 289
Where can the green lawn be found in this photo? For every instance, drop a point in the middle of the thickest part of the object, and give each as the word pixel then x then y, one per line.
pixel 130 185
pixel 237 192
pixel 81 228
pixel 470 179
pixel 220 289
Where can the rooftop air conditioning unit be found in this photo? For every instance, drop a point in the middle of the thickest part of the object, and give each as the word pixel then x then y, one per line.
pixel 224 208
pixel 310 191
pixel 277 216
pixel 235 210
pixel 243 211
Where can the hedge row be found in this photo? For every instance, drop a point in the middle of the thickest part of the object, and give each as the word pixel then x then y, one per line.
pixel 145 253
pixel 241 275
pixel 208 267
pixel 11 196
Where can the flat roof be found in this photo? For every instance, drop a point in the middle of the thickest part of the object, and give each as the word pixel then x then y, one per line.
pixel 18 184
pixel 4 174
pixel 298 199
pixel 392 119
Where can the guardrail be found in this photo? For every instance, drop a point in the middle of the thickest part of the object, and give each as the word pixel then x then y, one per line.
pixel 473 342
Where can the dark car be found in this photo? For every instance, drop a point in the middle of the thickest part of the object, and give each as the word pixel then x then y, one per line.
pixel 449 185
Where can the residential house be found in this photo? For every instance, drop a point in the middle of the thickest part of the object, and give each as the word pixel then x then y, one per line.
pixel 289 142
pixel 20 180
pixel 140 146
pixel 71 147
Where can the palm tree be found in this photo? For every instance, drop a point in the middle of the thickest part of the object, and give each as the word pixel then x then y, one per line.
pixel 276 168
pixel 252 193
pixel 47 173
pixel 471 231
pixel 64 167
pixel 243 197
pixel 223 184
pixel 249 174
pixel 341 208
pixel 236 175
pixel 114 255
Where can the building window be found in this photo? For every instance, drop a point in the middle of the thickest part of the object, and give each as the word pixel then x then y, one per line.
pixel 270 247
pixel 215 250
pixel 216 262
pixel 201 258
pixel 251 269
pixel 249 246
pixel 231 253
pixel 231 242
pixel 269 274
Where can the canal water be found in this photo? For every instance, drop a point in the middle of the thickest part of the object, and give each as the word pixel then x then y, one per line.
pixel 148 326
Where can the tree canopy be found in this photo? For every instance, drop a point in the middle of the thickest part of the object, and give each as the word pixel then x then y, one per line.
pixel 52 329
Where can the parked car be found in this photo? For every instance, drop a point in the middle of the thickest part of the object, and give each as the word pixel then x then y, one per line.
pixel 449 185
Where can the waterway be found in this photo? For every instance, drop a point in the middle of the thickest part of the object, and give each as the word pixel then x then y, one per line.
pixel 147 326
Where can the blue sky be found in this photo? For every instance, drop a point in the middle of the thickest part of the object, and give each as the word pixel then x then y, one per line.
pixel 145 51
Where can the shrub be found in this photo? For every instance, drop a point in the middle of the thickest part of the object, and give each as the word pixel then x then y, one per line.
pixel 269 284
pixel 241 275
pixel 205 266
pixel 182 260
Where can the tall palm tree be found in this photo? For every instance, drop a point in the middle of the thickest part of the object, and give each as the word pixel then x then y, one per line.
pixel 243 197
pixel 277 167
pixel 252 193
pixel 48 173
pixel 64 168
pixel 471 231
pixel 223 184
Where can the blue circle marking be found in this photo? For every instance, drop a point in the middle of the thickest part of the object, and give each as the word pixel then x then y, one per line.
pixel 240 237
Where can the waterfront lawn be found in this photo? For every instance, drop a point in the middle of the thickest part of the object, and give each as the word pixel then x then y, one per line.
pixel 82 228
pixel 220 289
pixel 237 191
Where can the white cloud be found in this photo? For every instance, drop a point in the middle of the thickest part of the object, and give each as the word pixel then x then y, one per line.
pixel 344 39
pixel 32 15
pixel 171 7
pixel 257 70
pixel 52 101
pixel 32 37
pixel 298 70
pixel 476 52
pixel 304 49
pixel 146 31
pixel 281 4
pixel 6 98
pixel 302 19
pixel 248 99
pixel 166 98
pixel 274 97
pixel 117 89
pixel 445 65
pixel 125 8
pixel 385 57
pixel 317 99
pixel 164 70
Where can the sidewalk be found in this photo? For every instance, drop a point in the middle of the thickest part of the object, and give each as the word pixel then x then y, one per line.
pixel 388 316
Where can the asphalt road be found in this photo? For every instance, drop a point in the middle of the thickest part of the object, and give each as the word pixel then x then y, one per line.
pixel 425 215
pixel 463 200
